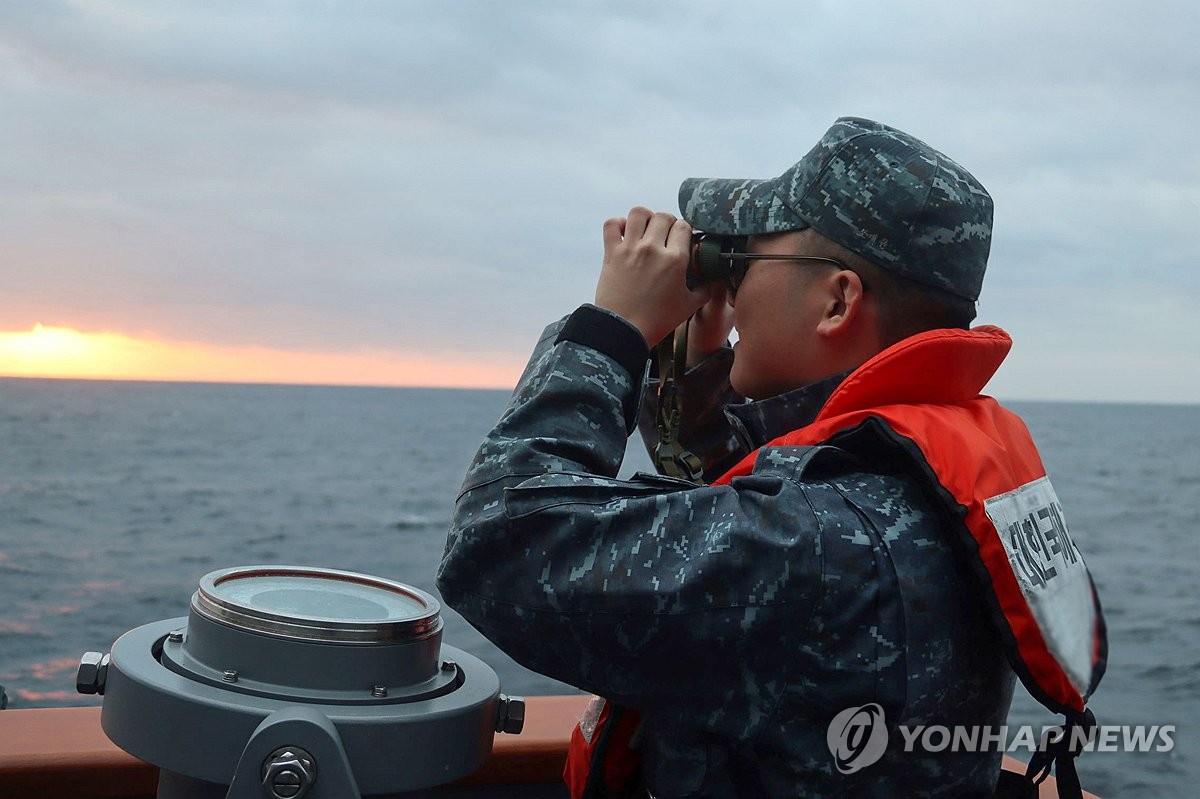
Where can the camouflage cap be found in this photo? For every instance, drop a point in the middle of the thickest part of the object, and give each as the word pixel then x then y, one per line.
pixel 873 189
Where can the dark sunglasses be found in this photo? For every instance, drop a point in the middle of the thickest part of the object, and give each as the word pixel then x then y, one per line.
pixel 724 258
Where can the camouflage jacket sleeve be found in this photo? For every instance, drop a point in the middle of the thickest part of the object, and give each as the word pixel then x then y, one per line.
pixel 617 586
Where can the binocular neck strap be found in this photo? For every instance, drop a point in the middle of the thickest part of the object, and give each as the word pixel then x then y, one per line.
pixel 670 458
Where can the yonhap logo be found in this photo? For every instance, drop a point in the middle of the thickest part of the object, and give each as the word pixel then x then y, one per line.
pixel 857 737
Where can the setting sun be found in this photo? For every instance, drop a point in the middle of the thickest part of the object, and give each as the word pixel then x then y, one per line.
pixel 56 351
pixel 45 351
pixel 44 344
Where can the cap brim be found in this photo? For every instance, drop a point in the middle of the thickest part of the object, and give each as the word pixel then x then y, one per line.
pixel 736 207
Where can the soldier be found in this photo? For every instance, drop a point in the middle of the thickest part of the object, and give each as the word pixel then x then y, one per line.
pixel 823 570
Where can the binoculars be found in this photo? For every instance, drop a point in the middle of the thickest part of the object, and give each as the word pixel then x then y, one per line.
pixel 711 257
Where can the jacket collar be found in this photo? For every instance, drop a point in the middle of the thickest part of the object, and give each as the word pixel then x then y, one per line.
pixel 765 420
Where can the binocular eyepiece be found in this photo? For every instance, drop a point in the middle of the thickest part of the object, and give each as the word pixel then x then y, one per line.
pixel 709 261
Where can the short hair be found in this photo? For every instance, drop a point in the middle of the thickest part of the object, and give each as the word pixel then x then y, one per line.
pixel 906 307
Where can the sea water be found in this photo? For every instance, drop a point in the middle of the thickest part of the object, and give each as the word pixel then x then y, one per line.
pixel 116 497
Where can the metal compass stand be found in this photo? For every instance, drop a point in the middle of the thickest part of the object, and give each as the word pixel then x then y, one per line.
pixel 286 682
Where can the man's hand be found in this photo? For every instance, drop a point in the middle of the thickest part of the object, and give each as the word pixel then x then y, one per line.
pixel 642 278
pixel 710 326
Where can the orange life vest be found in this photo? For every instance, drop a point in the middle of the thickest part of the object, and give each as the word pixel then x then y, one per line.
pixel 920 398
pixel 602 762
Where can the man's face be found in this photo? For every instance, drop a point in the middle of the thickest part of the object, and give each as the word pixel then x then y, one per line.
pixel 776 311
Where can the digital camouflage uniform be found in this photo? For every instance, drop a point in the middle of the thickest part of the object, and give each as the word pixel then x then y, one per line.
pixel 739 618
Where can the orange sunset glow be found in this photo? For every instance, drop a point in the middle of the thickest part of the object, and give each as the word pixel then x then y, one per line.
pixel 45 351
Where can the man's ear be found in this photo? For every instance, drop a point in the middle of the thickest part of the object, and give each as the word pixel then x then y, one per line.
pixel 843 303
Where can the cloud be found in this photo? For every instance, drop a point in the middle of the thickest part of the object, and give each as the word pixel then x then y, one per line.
pixel 328 175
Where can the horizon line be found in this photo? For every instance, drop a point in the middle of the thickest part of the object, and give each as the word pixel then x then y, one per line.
pixel 234 382
pixel 452 387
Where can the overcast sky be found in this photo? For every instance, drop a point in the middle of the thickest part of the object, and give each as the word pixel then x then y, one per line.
pixel 431 177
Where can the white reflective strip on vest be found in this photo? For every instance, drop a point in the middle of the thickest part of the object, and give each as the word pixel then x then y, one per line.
pixel 591 717
pixel 1050 572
